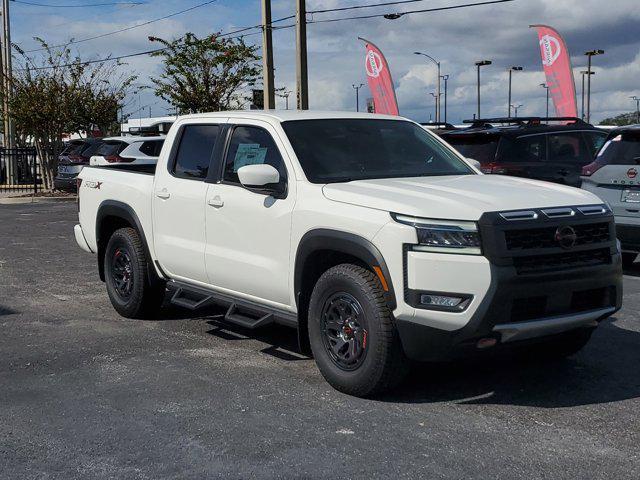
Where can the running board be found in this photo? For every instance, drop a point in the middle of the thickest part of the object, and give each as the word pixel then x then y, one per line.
pixel 245 319
pixel 244 313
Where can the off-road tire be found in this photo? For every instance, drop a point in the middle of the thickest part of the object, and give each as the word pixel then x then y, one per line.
pixel 146 297
pixel 384 365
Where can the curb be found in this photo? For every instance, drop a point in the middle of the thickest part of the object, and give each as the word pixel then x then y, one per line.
pixel 24 200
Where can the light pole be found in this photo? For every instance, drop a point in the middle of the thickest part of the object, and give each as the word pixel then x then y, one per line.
pixel 438 83
pixel 435 98
pixel 285 94
pixel 511 70
pixel 479 64
pixel 516 108
pixel 445 78
pixel 590 54
pixel 637 99
pixel 546 87
pixel 583 73
pixel 357 89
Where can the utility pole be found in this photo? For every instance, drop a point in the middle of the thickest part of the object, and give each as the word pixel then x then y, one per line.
pixel 302 74
pixel 9 134
pixel 357 89
pixel 437 64
pixel 446 79
pixel 267 57
pixel 584 72
pixel 435 106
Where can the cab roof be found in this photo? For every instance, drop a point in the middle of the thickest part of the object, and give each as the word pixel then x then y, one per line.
pixel 287 115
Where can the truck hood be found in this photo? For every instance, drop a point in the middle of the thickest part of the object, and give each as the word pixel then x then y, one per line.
pixel 460 197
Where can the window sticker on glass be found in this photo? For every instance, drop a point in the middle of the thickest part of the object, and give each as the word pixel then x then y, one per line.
pixel 249 154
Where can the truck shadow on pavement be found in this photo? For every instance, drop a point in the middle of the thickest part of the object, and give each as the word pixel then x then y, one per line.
pixel 606 370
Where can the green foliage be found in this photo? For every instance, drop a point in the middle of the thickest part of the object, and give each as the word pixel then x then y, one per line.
pixel 205 74
pixel 57 94
pixel 630 118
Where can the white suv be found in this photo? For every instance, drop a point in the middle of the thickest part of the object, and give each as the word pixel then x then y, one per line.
pixel 370 235
pixel 131 150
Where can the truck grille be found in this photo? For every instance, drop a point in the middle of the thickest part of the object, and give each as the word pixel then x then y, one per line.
pixel 561 261
pixel 535 238
pixel 535 308
pixel 540 241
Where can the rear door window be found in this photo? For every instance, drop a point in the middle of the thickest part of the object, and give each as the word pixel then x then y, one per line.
pixel 482 148
pixel 526 149
pixel 568 147
pixel 193 157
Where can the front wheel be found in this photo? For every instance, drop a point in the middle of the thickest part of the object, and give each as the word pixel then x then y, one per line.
pixel 352 333
pixel 125 266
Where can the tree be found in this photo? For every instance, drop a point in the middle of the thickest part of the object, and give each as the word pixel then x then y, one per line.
pixel 622 119
pixel 205 74
pixel 57 95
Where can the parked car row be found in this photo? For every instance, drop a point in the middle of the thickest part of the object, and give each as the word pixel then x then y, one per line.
pixel 132 150
pixel 571 152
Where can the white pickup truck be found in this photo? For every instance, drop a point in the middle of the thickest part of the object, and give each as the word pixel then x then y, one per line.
pixel 370 235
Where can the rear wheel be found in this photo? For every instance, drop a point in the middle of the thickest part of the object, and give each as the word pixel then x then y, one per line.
pixel 628 258
pixel 125 266
pixel 352 334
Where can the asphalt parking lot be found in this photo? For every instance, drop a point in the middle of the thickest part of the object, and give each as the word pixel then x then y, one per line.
pixel 87 394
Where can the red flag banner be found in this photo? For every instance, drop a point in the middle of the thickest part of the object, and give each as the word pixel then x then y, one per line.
pixel 379 79
pixel 557 67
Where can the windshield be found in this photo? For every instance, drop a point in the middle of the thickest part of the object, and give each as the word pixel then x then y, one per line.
pixel 482 148
pixel 623 149
pixel 341 150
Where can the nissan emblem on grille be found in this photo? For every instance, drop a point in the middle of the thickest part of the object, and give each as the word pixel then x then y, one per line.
pixel 566 236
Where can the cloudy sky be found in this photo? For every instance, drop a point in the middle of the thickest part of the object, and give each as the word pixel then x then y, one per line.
pixel 457 38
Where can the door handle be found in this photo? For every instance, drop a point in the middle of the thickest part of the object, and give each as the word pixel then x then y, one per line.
pixel 216 202
pixel 164 194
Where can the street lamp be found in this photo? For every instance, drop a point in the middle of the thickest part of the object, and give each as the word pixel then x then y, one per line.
pixel 479 64
pixel 285 94
pixel 357 89
pixel 438 87
pixel 546 87
pixel 590 54
pixel 446 79
pixel 511 70
pixel 436 100
pixel 637 99
pixel 516 108
pixel 583 73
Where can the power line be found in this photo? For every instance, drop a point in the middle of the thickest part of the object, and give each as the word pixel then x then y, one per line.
pixel 35 4
pixel 126 29
pixel 409 12
pixel 354 7
pixel 148 52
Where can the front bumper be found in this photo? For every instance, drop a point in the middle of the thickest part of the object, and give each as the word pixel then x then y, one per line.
pixel 518 308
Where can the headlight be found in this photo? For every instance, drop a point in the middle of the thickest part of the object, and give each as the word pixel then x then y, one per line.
pixel 444 236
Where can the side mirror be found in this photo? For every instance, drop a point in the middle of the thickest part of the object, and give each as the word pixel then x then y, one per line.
pixel 474 162
pixel 260 178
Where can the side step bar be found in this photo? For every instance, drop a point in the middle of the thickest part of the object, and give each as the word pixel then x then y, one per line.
pixel 243 313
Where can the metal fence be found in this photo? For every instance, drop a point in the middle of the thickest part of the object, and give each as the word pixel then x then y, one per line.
pixel 19 170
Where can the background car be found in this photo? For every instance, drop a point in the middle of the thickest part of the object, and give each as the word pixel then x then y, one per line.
pixel 529 147
pixel 130 149
pixel 615 177
pixel 72 160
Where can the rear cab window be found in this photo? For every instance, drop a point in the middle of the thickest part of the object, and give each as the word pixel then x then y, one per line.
pixel 568 147
pixel 195 150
